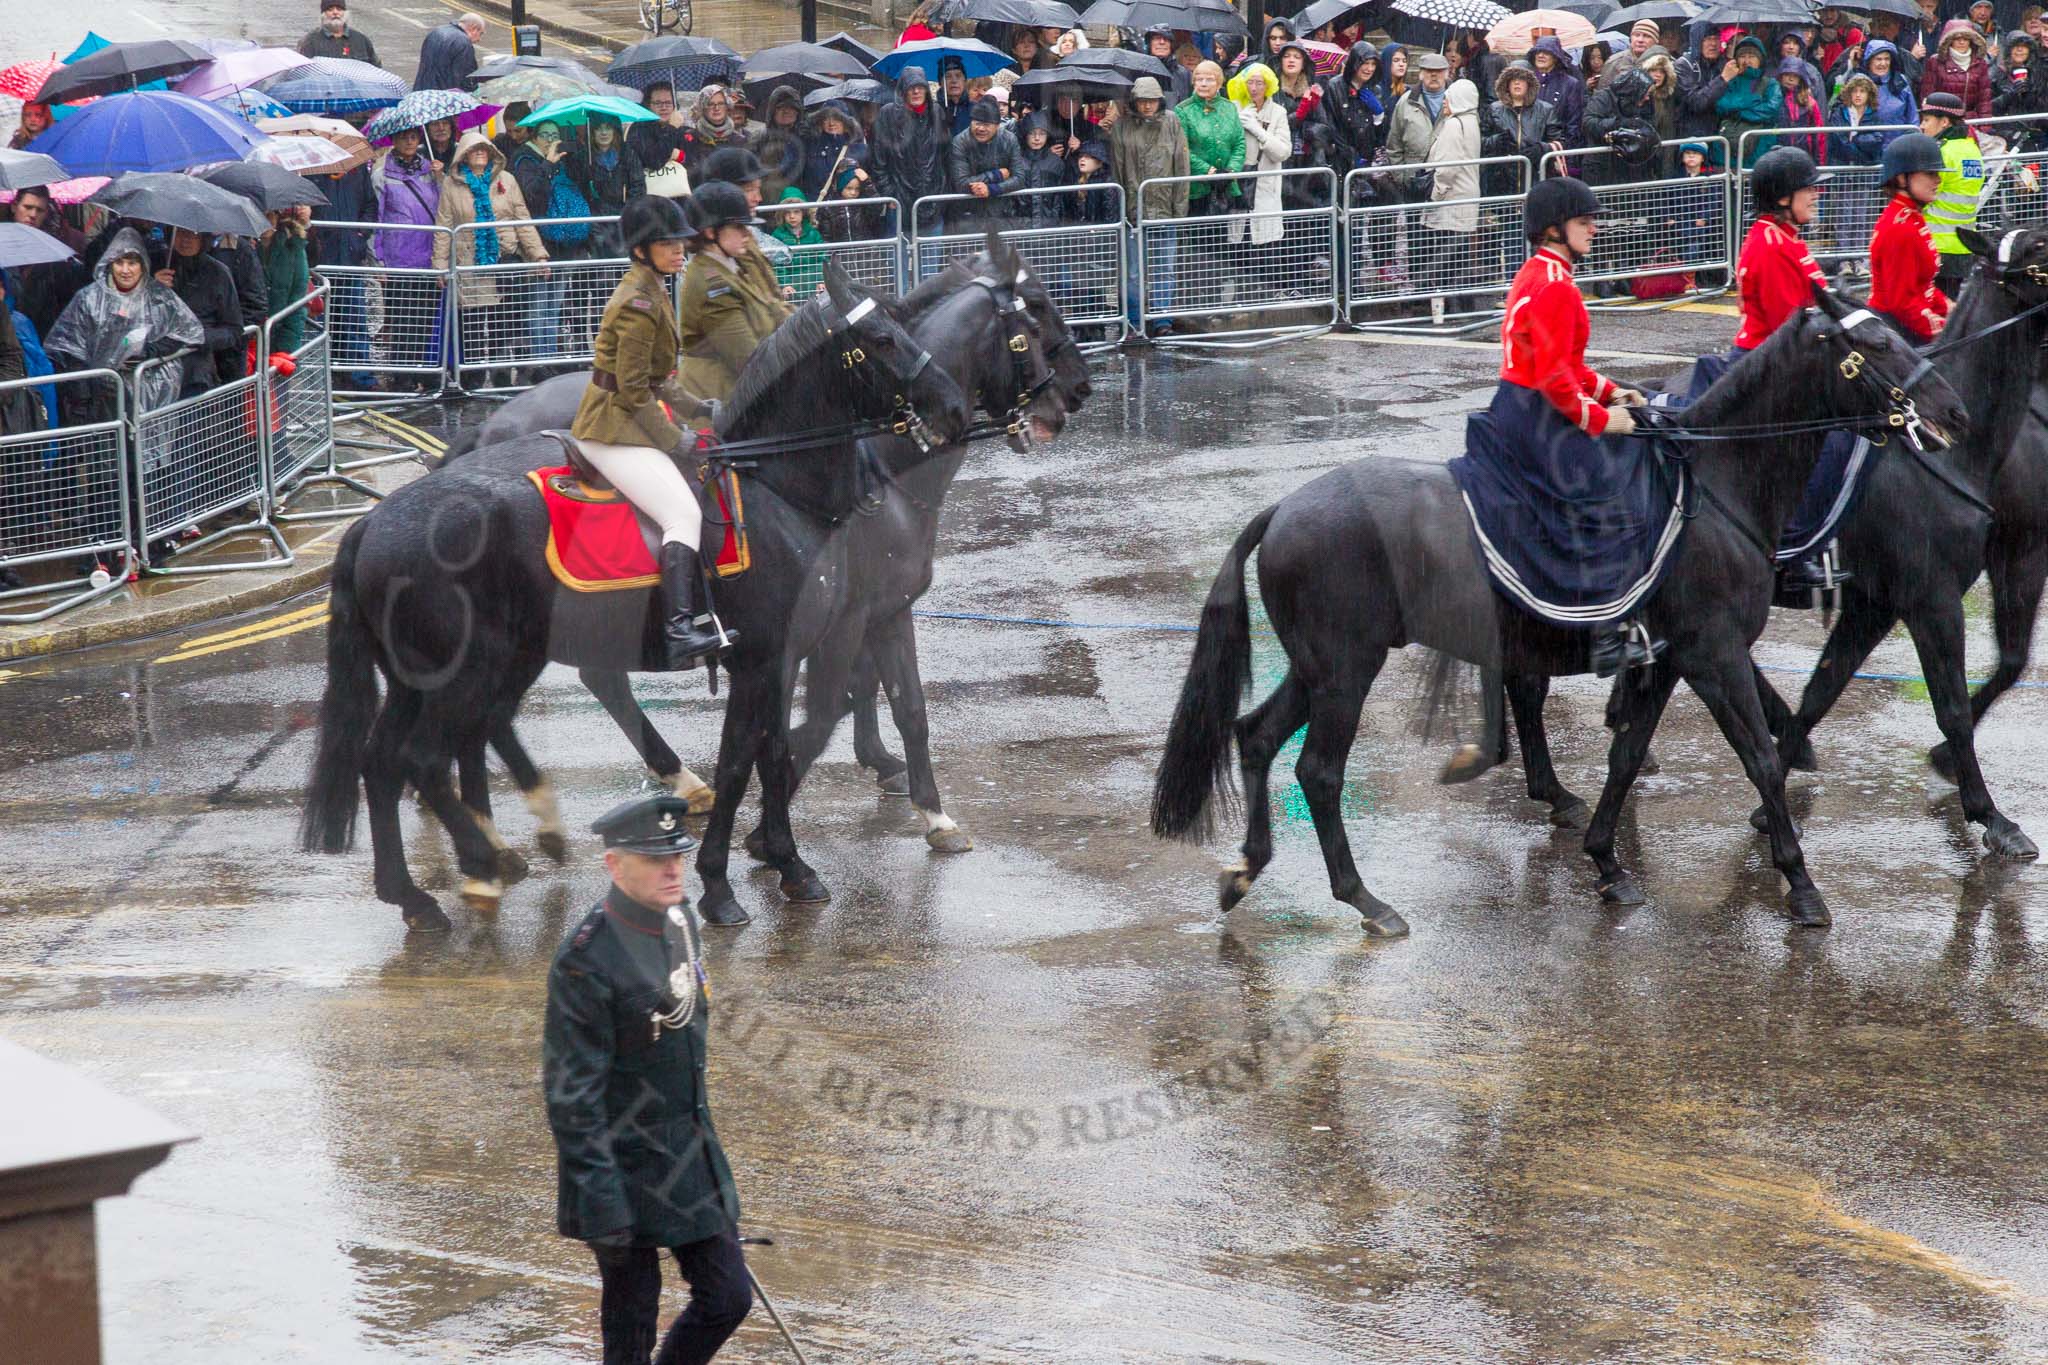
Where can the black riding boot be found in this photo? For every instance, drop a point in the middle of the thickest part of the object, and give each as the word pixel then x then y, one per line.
pixel 1623 645
pixel 1815 573
pixel 688 641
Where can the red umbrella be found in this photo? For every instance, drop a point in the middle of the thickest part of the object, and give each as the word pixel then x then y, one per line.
pixel 23 79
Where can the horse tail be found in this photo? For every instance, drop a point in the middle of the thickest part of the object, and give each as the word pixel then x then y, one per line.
pixel 457 446
pixel 1196 765
pixel 347 711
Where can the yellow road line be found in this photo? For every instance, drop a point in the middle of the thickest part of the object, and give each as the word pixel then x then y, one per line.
pixel 292 629
pixel 267 623
pixel 391 426
pixel 1726 310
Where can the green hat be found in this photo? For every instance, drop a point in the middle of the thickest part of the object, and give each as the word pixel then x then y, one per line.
pixel 792 192
pixel 646 824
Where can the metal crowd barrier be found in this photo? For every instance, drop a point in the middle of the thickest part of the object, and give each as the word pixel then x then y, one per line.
pixel 1854 197
pixel 388 322
pixel 64 494
pixel 304 452
pixel 1659 223
pixel 1082 265
pixel 1395 253
pixel 1214 262
pixel 199 458
pixel 862 236
pixel 518 314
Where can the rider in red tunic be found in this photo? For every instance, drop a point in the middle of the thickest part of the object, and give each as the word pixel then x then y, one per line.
pixel 1776 273
pixel 1903 261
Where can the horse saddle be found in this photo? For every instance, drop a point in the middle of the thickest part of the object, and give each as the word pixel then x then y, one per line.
pixel 598 541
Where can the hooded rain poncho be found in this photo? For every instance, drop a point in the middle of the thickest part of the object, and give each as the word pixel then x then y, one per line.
pixel 103 328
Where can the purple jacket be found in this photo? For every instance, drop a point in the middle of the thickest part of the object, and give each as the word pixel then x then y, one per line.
pixel 407 197
pixel 1562 88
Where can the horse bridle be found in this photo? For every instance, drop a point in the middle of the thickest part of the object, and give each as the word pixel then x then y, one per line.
pixel 2008 277
pixel 905 419
pixel 1900 414
pixel 1019 330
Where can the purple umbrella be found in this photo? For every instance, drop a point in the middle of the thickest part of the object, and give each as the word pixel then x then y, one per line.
pixel 234 71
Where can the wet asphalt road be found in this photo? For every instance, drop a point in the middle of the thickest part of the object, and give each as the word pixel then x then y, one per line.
pixel 1037 1102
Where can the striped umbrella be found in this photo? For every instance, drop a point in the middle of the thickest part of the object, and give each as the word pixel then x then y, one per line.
pixel 336 85
pixel 23 79
pixel 1327 57
pixel 422 107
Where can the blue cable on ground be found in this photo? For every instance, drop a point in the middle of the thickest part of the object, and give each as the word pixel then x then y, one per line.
pixel 989 618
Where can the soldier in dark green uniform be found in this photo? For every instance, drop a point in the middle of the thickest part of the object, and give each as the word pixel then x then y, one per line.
pixel 622 1059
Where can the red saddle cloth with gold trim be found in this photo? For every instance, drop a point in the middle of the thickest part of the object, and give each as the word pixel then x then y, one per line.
pixel 595 540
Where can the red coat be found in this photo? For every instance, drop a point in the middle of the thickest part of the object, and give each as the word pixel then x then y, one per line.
pixel 1903 263
pixel 1776 274
pixel 1543 342
pixel 1973 86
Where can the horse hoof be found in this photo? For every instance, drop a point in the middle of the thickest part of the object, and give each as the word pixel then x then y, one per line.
pixel 719 907
pixel 1808 910
pixel 512 866
pixel 954 840
pixel 1571 813
pixel 1804 760
pixel 1623 891
pixel 1464 764
pixel 1943 760
pixel 1650 767
pixel 699 799
pixel 756 845
pixel 482 896
pixel 554 844
pixel 1380 921
pixel 805 888
pixel 895 784
pixel 426 919
pixel 2010 841
pixel 1233 886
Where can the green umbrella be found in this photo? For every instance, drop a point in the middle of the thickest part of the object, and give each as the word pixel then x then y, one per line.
pixel 579 108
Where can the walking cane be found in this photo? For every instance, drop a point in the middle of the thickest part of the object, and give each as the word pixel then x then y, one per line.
pixel 769 1303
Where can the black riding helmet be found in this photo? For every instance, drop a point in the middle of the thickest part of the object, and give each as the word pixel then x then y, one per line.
pixel 1781 173
pixel 1909 153
pixel 650 219
pixel 733 165
pixel 1554 202
pixel 717 204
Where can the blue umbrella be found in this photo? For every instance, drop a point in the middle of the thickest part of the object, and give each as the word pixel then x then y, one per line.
pixel 976 58
pixel 151 130
pixel 252 105
pixel 336 85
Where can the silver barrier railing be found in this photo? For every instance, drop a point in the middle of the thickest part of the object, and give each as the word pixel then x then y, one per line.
pixel 862 237
pixel 305 452
pixel 196 460
pixel 1081 264
pixel 1854 198
pixel 521 314
pixel 387 322
pixel 1660 224
pixel 64 512
pixel 1280 261
pixel 1457 254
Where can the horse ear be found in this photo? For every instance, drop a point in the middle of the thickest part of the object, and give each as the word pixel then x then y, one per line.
pixel 839 288
pixel 1830 303
pixel 1979 244
pixel 992 241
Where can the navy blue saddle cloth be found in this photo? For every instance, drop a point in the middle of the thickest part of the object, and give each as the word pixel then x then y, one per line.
pixel 1576 529
pixel 1832 490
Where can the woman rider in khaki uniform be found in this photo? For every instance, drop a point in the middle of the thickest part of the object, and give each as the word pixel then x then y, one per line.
pixel 621 426
pixel 731 301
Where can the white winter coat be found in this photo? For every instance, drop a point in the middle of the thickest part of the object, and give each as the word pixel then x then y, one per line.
pixel 1456 139
pixel 1267 145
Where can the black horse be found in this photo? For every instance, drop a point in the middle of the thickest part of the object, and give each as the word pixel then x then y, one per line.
pixel 1379 553
pixel 444 588
pixel 890 546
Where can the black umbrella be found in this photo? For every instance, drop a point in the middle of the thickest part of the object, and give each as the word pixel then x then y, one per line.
pixel 183 201
pixel 121 66
pixel 803 59
pixel 1121 60
pixel 1598 11
pixel 1324 12
pixel 685 63
pixel 1662 11
pixel 1042 86
pixel 843 41
pixel 859 90
pixel 568 68
pixel 1143 14
pixel 1758 12
pixel 267 186
pixel 758 92
pixel 1033 13
pixel 1903 9
pixel 19 170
